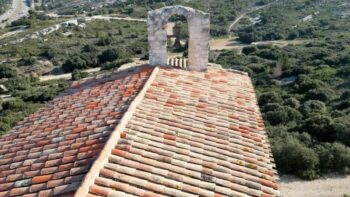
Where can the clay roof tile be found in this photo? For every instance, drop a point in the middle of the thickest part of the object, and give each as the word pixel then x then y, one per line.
pixel 148 131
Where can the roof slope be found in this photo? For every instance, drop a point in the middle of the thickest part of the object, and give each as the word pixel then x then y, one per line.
pixel 151 132
pixel 192 134
pixel 50 152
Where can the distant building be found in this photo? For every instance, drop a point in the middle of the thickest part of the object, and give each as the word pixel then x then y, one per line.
pixel 307 18
pixel 70 23
pixel 82 26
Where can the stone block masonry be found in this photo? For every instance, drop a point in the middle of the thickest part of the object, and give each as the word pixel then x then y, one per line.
pixel 198 27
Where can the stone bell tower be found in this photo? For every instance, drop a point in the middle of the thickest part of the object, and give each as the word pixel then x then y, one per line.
pixel 198 27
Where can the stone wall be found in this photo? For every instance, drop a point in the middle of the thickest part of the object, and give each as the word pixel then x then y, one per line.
pixel 198 27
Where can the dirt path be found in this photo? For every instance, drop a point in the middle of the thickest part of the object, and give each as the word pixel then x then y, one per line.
pixel 65 76
pixel 332 185
pixel 97 17
pixel 136 61
pixel 18 9
pixel 253 9
pixel 11 33
pixel 236 21
pixel 232 44
pixel 107 17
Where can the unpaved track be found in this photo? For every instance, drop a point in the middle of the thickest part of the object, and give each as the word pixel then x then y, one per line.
pixel 107 17
pixel 248 12
pixel 68 76
pixel 232 44
pixel 331 185
pixel 65 76
pixel 18 9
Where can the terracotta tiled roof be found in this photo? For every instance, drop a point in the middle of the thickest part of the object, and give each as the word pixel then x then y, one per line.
pixel 184 134
pixel 50 152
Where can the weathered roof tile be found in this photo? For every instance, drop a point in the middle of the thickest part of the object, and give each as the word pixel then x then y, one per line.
pixel 185 134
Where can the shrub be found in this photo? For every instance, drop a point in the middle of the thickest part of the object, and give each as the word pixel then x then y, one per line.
pixel 304 84
pixel 90 59
pixel 305 138
pixel 283 115
pixel 342 133
pixel 4 127
pixel 269 54
pixel 250 49
pixel 29 61
pixel 319 126
pixel 18 83
pixel 293 157
pixel 276 117
pixel 115 64
pixel 344 71
pixel 344 105
pixel 269 97
pixel 89 48
pixel 333 156
pixel 38 96
pixel 104 41
pixel 292 102
pixel 337 113
pixel 293 114
pixel 75 62
pixel 112 54
pixel 7 71
pixel 14 105
pixel 50 53
pixel 345 95
pixel 271 107
pixel 313 107
pixel 321 94
pixel 77 74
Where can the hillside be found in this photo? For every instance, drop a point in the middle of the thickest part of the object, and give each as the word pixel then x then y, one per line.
pixel 303 85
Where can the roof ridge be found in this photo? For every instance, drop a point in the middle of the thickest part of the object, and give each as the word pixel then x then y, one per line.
pixel 113 139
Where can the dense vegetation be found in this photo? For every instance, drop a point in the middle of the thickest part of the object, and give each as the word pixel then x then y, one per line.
pixel 304 97
pixel 27 95
pixel 303 90
pixel 106 44
pixel 221 14
pixel 295 19
pixel 100 42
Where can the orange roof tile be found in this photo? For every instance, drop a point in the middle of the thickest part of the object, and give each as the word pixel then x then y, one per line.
pixel 52 150
pixel 152 132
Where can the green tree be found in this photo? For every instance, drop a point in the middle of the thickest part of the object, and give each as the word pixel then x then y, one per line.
pixel 321 94
pixel 292 102
pixel 112 54
pixel 293 157
pixel 270 97
pixel 333 156
pixel 249 49
pixel 345 95
pixel 304 84
pixel 75 62
pixel 277 117
pixel 14 105
pixel 7 71
pixel 319 126
pixel 77 74
pixel 313 107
